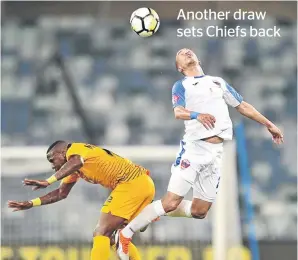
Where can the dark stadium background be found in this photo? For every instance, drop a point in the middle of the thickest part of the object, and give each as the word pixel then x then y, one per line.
pixel 92 79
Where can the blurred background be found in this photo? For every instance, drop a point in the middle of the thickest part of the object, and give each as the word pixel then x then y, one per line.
pixel 76 71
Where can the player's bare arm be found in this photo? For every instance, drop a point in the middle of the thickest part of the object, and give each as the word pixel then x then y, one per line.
pixel 250 112
pixel 74 163
pixel 184 114
pixel 52 197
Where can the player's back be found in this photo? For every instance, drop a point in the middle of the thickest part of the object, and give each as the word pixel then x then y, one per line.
pixel 104 167
pixel 210 95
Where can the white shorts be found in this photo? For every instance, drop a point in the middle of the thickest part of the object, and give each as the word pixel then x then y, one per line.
pixel 197 166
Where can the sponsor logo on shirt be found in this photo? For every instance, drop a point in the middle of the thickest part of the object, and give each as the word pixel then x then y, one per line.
pixel 184 164
pixel 216 82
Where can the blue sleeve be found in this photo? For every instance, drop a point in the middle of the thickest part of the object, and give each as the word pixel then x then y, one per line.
pixel 178 94
pixel 232 97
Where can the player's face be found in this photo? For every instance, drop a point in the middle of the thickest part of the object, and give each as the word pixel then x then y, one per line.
pixel 186 58
pixel 57 160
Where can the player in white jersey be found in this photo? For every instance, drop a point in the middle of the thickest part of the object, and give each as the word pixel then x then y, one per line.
pixel 202 102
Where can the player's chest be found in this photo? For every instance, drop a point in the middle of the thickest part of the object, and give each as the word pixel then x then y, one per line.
pixel 203 93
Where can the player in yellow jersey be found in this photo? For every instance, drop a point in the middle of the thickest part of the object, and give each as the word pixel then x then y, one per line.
pixel 132 188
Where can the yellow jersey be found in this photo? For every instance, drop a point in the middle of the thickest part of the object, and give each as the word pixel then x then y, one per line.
pixel 102 166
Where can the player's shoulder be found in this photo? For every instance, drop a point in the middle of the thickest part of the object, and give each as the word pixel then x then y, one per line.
pixel 77 145
pixel 80 147
pixel 179 83
pixel 74 148
pixel 83 149
pixel 217 80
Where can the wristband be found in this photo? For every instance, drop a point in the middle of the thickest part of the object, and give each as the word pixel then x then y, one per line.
pixel 36 202
pixel 52 179
pixel 194 115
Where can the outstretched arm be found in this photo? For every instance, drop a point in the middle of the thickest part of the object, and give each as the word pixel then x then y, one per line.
pixel 52 197
pixel 74 163
pixel 250 112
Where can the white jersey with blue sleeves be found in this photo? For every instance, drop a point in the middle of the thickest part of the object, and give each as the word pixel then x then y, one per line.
pixel 209 95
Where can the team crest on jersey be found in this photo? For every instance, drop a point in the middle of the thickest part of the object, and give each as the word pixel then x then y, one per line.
pixel 175 99
pixel 184 164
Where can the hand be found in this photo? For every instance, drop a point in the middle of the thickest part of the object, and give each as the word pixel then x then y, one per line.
pixel 38 184
pixel 276 133
pixel 206 120
pixel 16 205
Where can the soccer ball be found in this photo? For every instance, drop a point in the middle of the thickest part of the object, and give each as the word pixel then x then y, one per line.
pixel 144 21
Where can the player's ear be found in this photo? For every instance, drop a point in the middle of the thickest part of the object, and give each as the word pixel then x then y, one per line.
pixel 180 69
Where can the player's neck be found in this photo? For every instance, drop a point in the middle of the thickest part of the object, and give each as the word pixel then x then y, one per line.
pixel 194 72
